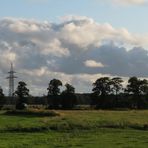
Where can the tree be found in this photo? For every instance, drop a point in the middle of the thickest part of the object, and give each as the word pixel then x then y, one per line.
pixel 116 89
pixel 53 87
pixel 2 98
pixel 102 86
pixel 116 84
pixel 144 87
pixel 133 86
pixel 1 93
pixel 137 88
pixel 68 97
pixel 22 92
pixel 53 93
pixel 69 89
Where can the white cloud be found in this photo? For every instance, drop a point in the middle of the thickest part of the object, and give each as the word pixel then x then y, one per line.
pixel 37 1
pixel 130 2
pixel 92 63
pixel 85 32
pixel 22 27
pixel 54 48
pixel 41 51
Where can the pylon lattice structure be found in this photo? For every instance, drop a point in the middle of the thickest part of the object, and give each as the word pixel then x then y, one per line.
pixel 11 78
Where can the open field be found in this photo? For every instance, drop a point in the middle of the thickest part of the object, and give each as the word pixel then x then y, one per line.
pixel 75 129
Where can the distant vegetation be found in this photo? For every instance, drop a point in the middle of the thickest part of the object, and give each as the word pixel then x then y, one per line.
pixel 107 93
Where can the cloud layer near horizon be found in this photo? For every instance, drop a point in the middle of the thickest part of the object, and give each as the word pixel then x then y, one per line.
pixel 78 50
pixel 129 2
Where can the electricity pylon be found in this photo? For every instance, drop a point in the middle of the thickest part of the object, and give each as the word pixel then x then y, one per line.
pixel 11 78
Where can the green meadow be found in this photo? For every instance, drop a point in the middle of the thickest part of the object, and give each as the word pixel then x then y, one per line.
pixel 76 129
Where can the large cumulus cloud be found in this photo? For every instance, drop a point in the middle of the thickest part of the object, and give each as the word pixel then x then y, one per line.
pixel 77 50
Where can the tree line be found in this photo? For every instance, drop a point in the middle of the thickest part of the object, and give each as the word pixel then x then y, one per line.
pixel 107 93
pixel 110 93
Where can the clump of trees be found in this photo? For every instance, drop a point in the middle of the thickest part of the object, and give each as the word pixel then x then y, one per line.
pixel 138 90
pixel 103 87
pixel 57 99
pixel 107 93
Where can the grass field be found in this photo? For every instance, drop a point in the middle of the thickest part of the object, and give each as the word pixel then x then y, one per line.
pixel 76 129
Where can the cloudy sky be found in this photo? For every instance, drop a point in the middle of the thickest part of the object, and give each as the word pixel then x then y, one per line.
pixel 76 41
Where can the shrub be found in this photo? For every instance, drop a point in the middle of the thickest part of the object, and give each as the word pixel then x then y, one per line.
pixel 40 113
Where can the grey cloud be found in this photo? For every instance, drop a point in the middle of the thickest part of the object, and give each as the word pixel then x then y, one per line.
pixel 118 61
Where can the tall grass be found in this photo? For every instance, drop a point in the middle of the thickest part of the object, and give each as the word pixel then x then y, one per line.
pixel 40 120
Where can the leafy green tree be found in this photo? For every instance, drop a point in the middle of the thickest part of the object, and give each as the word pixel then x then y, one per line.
pixel 133 86
pixel 22 93
pixel 101 89
pixel 53 93
pixel 53 87
pixel 68 97
pixel 69 89
pixel 116 84
pixel 144 87
pixel 137 88
pixel 2 98
pixel 116 89
pixel 102 86
pixel 1 93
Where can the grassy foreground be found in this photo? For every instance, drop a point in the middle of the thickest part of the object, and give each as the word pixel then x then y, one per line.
pixel 102 138
pixel 103 129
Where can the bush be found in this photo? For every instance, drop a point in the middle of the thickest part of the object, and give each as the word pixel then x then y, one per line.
pixel 40 113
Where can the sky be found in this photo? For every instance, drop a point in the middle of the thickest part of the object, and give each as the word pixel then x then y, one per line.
pixel 76 41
